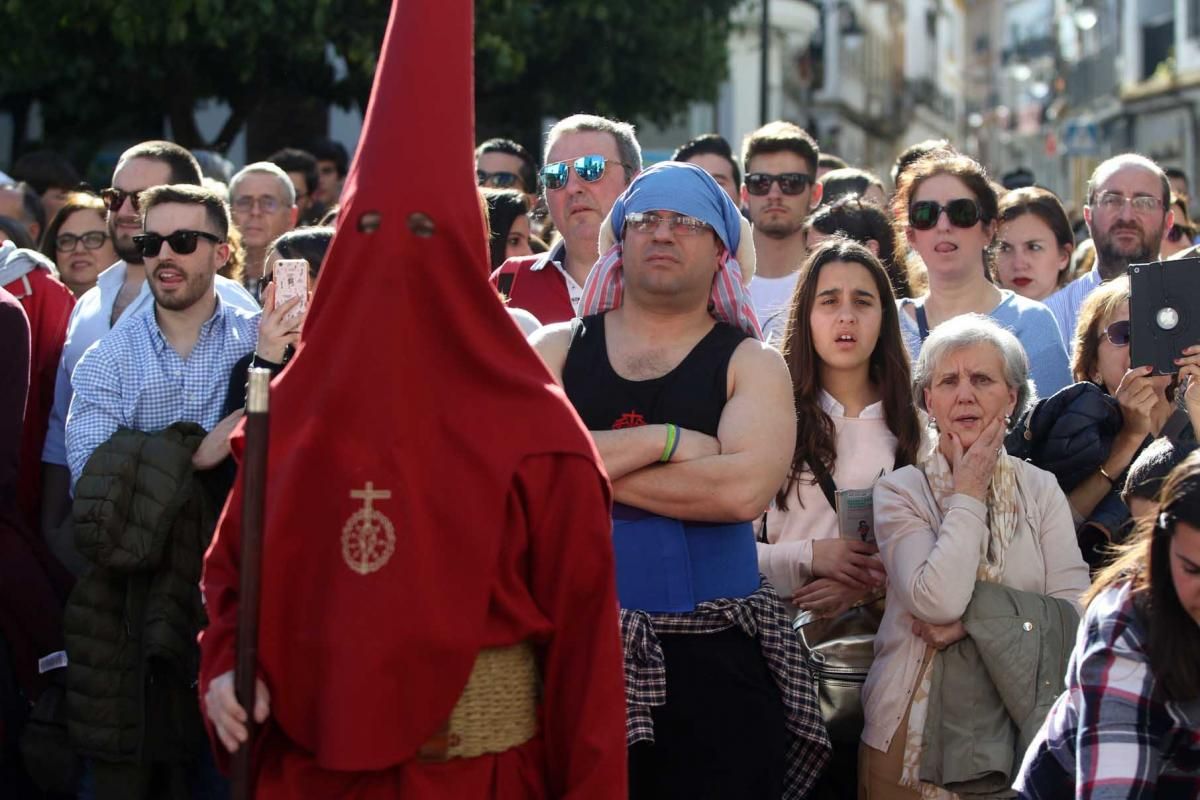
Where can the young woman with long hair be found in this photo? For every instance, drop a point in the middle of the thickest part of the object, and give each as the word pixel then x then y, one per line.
pixel 1129 723
pixel 854 420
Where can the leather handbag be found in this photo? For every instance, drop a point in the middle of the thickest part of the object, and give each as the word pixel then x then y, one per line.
pixel 839 652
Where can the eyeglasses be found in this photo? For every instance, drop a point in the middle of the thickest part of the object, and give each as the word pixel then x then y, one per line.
pixel 182 242
pixel 114 198
pixel 1115 203
pixel 268 204
pixel 962 213
pixel 497 180
pixel 681 224
pixel 1178 232
pixel 92 240
pixel 589 168
pixel 1118 333
pixel 759 183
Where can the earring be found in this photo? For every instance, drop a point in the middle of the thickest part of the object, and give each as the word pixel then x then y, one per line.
pixel 1007 421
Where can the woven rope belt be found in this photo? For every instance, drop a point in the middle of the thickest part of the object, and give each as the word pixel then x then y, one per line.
pixel 497 710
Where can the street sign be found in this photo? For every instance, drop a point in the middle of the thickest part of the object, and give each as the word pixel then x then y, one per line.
pixel 1080 138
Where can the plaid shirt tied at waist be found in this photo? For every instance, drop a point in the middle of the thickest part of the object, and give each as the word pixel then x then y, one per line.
pixel 761 616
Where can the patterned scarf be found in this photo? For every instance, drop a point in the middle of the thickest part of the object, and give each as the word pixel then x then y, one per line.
pixel 1003 515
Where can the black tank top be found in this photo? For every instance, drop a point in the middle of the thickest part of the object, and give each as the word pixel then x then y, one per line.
pixel 692 395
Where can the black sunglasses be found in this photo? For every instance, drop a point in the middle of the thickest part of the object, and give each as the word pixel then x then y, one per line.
pixel 962 213
pixel 182 242
pixel 759 183
pixel 1178 231
pixel 1118 333
pixel 497 180
pixel 114 198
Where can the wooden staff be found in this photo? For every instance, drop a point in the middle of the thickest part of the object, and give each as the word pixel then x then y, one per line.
pixel 254 484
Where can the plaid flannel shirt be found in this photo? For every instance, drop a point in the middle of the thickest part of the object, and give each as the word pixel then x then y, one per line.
pixel 1107 736
pixel 761 616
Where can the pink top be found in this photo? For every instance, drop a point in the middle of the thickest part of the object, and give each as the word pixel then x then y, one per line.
pixel 865 446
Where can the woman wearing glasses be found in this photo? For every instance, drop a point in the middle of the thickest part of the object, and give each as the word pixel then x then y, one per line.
pixel 1178 238
pixel 1147 410
pixel 946 211
pixel 77 241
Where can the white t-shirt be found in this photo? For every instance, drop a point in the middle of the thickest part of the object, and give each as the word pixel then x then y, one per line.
pixel 772 301
pixel 527 322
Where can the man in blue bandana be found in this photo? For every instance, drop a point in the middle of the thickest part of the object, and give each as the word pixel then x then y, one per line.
pixel 693 417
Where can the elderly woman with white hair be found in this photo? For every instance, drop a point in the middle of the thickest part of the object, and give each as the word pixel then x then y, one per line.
pixel 965 514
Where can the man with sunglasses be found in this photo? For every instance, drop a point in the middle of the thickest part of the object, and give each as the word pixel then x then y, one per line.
pixel 505 164
pixel 171 361
pixel 121 291
pixel 589 162
pixel 1128 210
pixel 168 363
pixel 692 415
pixel 780 191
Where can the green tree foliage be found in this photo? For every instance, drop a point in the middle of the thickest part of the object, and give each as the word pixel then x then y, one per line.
pixel 110 69
pixel 644 59
pixel 99 67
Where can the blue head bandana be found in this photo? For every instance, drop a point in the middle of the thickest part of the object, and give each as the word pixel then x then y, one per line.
pixel 684 189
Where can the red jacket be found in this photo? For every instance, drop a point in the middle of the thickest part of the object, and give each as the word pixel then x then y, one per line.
pixel 535 284
pixel 48 305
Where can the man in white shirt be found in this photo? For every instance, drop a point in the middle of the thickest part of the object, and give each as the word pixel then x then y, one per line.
pixel 780 191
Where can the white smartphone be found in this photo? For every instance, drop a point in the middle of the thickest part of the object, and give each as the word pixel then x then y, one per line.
pixel 291 280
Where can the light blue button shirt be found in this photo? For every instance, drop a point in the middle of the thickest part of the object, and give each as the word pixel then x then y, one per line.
pixel 1066 302
pixel 88 324
pixel 133 378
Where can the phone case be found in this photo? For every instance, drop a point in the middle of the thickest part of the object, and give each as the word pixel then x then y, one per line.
pixel 291 280
pixel 1164 304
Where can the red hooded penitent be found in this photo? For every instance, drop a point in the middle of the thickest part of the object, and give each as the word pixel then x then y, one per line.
pixel 415 403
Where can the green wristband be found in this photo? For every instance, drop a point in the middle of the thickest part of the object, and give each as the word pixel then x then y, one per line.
pixel 672 440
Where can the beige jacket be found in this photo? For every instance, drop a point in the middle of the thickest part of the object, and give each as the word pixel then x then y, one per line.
pixel 931 562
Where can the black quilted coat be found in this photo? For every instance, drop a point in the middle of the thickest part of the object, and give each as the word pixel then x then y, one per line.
pixel 1069 434
pixel 143 520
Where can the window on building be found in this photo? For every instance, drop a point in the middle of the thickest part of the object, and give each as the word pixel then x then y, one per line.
pixel 1158 44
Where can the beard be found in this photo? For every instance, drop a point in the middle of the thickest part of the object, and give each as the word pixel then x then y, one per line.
pixel 1114 258
pixel 123 243
pixel 779 227
pixel 195 287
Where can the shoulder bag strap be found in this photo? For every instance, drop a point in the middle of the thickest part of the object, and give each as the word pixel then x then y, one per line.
pixel 922 321
pixel 829 489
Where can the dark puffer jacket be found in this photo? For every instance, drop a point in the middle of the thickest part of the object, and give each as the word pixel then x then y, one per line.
pixel 1070 434
pixel 143 520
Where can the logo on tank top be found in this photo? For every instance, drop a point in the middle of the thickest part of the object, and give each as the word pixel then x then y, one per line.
pixel 630 419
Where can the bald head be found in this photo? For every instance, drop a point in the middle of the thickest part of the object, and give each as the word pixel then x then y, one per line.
pixel 1127 162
